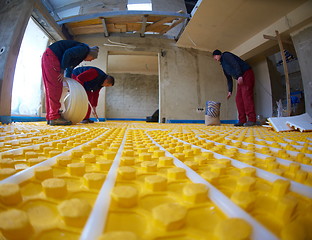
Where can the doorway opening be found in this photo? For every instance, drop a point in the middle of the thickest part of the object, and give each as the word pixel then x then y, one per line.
pixel 135 94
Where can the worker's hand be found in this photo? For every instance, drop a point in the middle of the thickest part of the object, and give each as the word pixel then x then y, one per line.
pixel 240 80
pixel 60 77
pixel 229 95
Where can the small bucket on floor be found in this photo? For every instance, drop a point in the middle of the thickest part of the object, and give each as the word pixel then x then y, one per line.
pixel 212 115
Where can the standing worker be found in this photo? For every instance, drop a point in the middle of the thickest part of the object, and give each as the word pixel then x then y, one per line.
pixel 92 79
pixel 235 67
pixel 58 57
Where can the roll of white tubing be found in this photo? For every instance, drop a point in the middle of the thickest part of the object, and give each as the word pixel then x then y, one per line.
pixel 74 101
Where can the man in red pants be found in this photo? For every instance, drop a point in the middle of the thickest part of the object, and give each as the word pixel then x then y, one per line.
pixel 58 57
pixel 92 79
pixel 235 67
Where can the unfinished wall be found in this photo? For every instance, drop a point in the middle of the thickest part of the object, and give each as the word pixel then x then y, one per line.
pixel 187 77
pixel 14 16
pixel 134 96
pixel 262 89
pixel 303 44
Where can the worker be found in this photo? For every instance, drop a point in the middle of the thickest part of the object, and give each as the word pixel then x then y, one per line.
pixel 59 57
pixel 235 67
pixel 92 79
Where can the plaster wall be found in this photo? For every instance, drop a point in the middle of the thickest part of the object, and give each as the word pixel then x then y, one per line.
pixel 134 96
pixel 187 77
pixel 303 44
pixel 14 16
pixel 262 89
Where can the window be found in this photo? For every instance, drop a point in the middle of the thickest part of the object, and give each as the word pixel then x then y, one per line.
pixel 26 93
pixel 139 5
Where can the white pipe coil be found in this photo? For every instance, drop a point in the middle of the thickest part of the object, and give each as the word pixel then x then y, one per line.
pixel 74 101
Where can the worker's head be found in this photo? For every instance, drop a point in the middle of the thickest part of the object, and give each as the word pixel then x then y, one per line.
pixel 109 81
pixel 217 55
pixel 93 53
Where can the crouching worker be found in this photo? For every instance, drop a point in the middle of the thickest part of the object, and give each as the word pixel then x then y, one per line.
pixel 58 57
pixel 92 79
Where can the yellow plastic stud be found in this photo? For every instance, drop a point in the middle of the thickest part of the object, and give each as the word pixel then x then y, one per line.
pixel 165 161
pixel 125 196
pixel 176 173
pixel 195 193
pixel 10 194
pixel 94 180
pixel 233 229
pixel 15 224
pixel 43 172
pixel 280 188
pixel 170 216
pixel 245 200
pixel 245 184
pixel 63 160
pixel 54 187
pixel 76 169
pixel 285 208
pixel 156 183
pixel 248 172
pixel 75 211
pixel 149 166
pixel 6 172
pixel 127 173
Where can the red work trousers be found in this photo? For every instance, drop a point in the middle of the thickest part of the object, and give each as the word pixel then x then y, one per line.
pixel 245 98
pixel 51 69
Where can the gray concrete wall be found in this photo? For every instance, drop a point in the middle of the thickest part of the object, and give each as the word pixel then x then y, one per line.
pixel 14 16
pixel 262 89
pixel 132 96
pixel 303 44
pixel 187 77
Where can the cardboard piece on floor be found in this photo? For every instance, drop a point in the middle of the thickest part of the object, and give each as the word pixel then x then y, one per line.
pixel 302 122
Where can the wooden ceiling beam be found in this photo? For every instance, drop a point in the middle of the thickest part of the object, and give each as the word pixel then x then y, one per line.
pixel 106 34
pixel 161 22
pixel 143 28
pixel 175 23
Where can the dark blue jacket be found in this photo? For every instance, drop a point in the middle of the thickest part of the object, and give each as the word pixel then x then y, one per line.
pixel 91 78
pixel 70 53
pixel 233 67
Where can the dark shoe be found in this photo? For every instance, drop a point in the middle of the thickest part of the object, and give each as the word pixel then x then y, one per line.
pixel 48 122
pixel 239 124
pixel 250 124
pixel 87 121
pixel 60 121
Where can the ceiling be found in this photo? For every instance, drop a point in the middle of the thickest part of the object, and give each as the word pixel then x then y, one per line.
pixel 227 24
pixel 211 24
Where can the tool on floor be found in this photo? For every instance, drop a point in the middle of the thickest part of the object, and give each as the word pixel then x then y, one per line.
pixel 94 112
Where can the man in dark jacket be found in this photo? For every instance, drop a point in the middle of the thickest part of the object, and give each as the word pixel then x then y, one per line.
pixel 235 67
pixel 92 79
pixel 59 57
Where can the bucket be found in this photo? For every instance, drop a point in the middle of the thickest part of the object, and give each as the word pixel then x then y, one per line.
pixel 212 114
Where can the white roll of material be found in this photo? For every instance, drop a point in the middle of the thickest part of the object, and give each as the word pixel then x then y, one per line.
pixel 74 101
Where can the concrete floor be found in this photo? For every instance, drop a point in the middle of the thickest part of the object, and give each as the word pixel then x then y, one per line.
pixel 140 180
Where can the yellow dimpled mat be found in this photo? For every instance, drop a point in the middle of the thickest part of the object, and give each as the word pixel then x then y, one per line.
pixel 150 181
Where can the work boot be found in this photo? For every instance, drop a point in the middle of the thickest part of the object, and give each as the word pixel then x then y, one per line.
pixel 239 124
pixel 87 121
pixel 60 121
pixel 249 124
